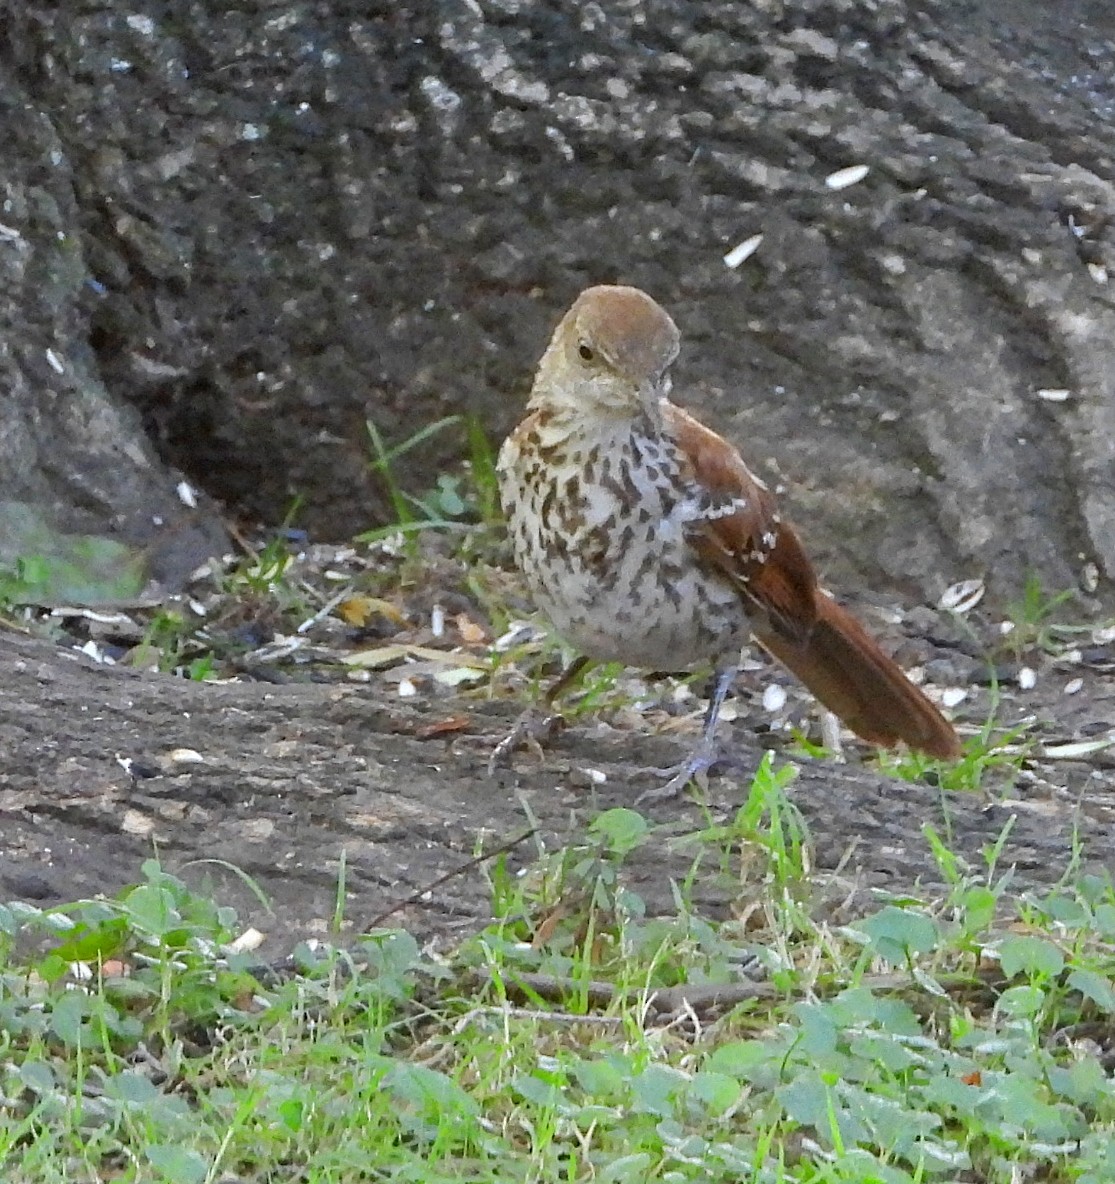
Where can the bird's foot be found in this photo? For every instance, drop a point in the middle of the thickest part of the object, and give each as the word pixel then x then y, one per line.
pixel 532 729
pixel 694 768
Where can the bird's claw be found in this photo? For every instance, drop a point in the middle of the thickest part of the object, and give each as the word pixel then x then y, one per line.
pixel 532 729
pixel 694 768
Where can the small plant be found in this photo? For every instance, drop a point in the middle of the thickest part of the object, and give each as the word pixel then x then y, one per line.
pixel 1032 618
pixel 460 501
pixel 989 759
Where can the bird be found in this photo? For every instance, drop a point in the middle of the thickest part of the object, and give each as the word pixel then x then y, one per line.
pixel 646 540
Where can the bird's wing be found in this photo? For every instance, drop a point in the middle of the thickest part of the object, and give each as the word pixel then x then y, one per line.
pixel 743 537
pixel 741 533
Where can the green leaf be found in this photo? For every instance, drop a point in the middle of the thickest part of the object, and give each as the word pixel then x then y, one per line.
pixel 627 1169
pixel 152 909
pixel 291 1113
pixel 656 1089
pixel 979 904
pixel 67 1017
pixel 717 1091
pixel 37 1076
pixel 599 1079
pixel 1021 1001
pixel 896 933
pixel 806 1101
pixel 1027 954
pixel 429 1091
pixel 178 1165
pixel 622 829
pixel 1094 986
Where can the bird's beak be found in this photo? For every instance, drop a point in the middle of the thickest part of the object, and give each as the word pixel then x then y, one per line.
pixel 656 388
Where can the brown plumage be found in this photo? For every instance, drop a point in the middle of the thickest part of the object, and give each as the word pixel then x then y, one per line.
pixel 647 540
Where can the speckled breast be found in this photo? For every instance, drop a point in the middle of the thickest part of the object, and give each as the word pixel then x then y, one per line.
pixel 598 526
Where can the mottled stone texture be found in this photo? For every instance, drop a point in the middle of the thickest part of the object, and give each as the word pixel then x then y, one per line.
pixel 259 224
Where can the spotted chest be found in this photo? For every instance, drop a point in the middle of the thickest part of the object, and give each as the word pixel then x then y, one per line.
pixel 600 525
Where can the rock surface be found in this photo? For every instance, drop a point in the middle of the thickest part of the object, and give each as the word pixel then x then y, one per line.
pixel 260 225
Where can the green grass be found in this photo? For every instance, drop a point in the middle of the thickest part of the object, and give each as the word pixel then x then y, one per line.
pixel 463 500
pixel 1032 618
pixel 954 1038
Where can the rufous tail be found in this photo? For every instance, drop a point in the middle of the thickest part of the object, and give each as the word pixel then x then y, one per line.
pixel 845 668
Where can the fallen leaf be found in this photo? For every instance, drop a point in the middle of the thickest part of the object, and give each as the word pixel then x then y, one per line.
pixel 471 633
pixel 358 610
pixel 441 727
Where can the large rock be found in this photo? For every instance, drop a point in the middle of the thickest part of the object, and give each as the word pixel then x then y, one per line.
pixel 281 219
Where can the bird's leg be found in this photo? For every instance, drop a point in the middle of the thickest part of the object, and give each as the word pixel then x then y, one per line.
pixel 535 727
pixel 705 751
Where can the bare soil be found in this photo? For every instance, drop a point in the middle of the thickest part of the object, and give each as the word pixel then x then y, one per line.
pixel 104 767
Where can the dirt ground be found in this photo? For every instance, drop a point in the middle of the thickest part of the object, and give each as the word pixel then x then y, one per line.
pixel 103 767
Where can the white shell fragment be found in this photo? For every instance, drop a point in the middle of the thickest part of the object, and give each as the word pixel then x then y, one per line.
pixel 186 494
pixel 774 698
pixel 250 939
pixel 953 696
pixel 1098 272
pixel 963 596
pixel 407 689
pixel 437 621
pixel 1074 687
pixel 1077 748
pixel 186 756
pixel 55 362
pixel 1027 678
pixel 843 178
pixel 743 251
pixel 1054 394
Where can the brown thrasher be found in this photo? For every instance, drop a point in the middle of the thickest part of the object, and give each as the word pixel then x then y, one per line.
pixel 646 539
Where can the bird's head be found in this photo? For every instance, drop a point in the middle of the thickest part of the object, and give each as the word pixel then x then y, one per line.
pixel 609 355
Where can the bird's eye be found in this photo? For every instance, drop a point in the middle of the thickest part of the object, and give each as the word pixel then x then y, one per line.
pixel 588 354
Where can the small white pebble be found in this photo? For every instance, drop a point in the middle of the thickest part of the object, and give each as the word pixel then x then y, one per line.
pixel 1054 394
pixel 186 494
pixel 596 776
pixel 1098 272
pixel 1027 678
pixel 1074 687
pixel 407 689
pixel 1006 627
pixel 250 939
pixel 952 696
pixel 437 621
pixel 743 251
pixel 774 698
pixel 843 178
pixel 55 362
